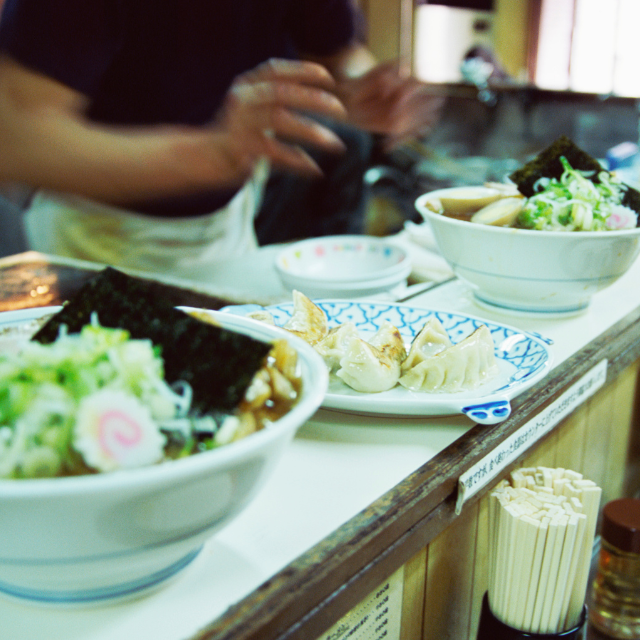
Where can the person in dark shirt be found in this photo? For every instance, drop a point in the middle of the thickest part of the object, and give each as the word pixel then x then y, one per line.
pixel 149 127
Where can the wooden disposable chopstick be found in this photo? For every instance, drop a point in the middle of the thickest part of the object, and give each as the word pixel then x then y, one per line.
pixel 554 595
pixel 545 572
pixel 590 498
pixel 582 550
pixel 536 569
pixel 530 531
pixel 521 535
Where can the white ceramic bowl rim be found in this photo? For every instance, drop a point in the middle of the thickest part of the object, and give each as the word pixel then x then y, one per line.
pixel 428 214
pixel 193 464
pixel 473 189
pixel 352 284
pixel 400 265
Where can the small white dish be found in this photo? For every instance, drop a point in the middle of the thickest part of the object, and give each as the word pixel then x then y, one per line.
pixel 350 290
pixel 87 539
pixel 343 266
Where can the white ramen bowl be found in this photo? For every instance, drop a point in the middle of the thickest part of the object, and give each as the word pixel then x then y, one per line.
pixel 532 271
pixel 86 539
pixel 343 266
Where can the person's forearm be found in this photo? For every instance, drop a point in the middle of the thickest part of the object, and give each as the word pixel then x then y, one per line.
pixel 46 143
pixel 113 165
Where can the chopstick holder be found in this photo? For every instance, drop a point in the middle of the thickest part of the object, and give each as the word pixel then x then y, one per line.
pixel 542 526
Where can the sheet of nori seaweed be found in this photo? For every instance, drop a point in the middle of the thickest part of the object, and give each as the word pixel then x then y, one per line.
pixel 547 165
pixel 631 199
pixel 218 364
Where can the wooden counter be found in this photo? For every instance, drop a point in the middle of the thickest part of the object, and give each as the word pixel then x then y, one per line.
pixel 361 505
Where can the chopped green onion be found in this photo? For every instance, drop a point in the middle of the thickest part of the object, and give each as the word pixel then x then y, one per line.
pixel 577 202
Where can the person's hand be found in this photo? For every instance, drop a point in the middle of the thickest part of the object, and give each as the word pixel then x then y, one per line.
pixel 262 116
pixel 387 100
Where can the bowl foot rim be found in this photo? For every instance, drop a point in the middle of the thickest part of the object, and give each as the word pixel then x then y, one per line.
pixel 534 310
pixel 95 595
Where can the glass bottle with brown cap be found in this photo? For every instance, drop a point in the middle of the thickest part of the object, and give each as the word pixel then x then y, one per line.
pixel 615 601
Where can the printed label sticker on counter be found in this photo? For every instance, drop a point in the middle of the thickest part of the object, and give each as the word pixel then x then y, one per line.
pixel 377 617
pixel 493 464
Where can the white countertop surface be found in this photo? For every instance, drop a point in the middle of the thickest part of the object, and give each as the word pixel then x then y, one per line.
pixel 335 467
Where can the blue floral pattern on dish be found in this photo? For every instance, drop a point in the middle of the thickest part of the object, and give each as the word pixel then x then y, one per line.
pixel 523 358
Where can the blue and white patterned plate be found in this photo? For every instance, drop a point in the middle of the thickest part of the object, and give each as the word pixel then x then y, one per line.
pixel 523 359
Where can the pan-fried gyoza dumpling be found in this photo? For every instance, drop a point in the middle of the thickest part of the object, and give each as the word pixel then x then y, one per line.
pixel 431 339
pixel 388 339
pixel 461 367
pixel 308 321
pixel 334 345
pixel 373 366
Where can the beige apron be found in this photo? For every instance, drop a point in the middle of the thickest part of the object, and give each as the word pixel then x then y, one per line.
pixel 78 228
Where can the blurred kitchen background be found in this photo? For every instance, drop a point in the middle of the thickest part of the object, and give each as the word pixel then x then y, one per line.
pixel 516 74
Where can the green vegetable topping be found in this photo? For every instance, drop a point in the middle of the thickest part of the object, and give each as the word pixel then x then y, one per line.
pixel 575 202
pixel 91 401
